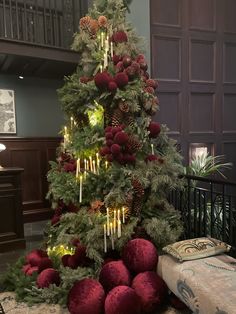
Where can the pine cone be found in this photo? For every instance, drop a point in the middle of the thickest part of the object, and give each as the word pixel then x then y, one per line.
pixel 123 106
pixel 129 121
pixel 138 188
pixel 133 144
pixel 85 22
pixel 117 118
pixel 137 206
pixel 129 201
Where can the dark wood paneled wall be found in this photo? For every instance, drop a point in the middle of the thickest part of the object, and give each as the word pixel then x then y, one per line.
pixel 32 154
pixel 194 58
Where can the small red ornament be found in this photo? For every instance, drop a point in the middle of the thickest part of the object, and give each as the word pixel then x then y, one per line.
pixel 55 219
pixel 112 86
pixel 105 150
pixel 69 167
pixel 64 260
pixel 122 300
pixel 140 255
pixel 115 149
pixel 86 297
pixel 154 129
pixel 121 79
pixel 32 270
pixel 116 59
pixel 109 142
pixel 151 158
pixel 127 61
pixel 119 67
pixel 114 274
pixel 121 138
pixel 109 136
pixel 44 264
pixel 116 129
pixel 151 289
pixel 47 277
pixel 25 268
pixel 34 257
pixel 119 37
pixel 108 129
pixel 72 262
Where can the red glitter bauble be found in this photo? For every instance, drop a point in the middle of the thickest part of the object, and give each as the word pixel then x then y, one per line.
pixel 44 264
pixel 115 149
pixel 47 277
pixel 121 138
pixel 109 142
pixel 151 289
pixel 34 257
pixel 72 262
pixel 122 300
pixel 102 80
pixel 121 79
pixel 86 297
pixel 108 129
pixel 25 268
pixel 116 129
pixel 105 150
pixel 112 86
pixel 154 129
pixel 119 37
pixel 80 255
pixel 114 274
pixel 140 255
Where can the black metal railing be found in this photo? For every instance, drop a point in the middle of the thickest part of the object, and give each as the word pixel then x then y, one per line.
pixel 208 208
pixel 44 22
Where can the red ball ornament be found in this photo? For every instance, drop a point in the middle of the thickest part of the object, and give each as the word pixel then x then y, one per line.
pixel 116 59
pixel 140 255
pixel 108 129
pixel 64 260
pixel 102 80
pixel 69 167
pixel 109 142
pixel 127 61
pixel 121 138
pixel 119 37
pixel 112 86
pixel 44 264
pixel 154 129
pixel 34 257
pixel 109 136
pixel 72 262
pixel 114 274
pixel 115 149
pixel 116 129
pixel 121 79
pixel 122 300
pixel 86 297
pixel 47 277
pixel 151 289
pixel 25 268
pixel 80 255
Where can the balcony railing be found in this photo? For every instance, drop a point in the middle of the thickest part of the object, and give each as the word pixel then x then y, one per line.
pixel 43 22
pixel 208 208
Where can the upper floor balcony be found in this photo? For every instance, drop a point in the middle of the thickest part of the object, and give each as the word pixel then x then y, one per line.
pixel 35 36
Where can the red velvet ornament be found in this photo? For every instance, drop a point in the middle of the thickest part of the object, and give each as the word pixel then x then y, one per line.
pixel 122 300
pixel 151 289
pixel 86 297
pixel 119 37
pixel 47 277
pixel 69 167
pixel 108 129
pixel 102 80
pixel 80 254
pixel 32 270
pixel 140 255
pixel 34 257
pixel 115 149
pixel 109 142
pixel 121 79
pixel 72 262
pixel 114 274
pixel 154 129
pixel 44 264
pixel 112 86
pixel 116 129
pixel 64 260
pixel 105 150
pixel 121 138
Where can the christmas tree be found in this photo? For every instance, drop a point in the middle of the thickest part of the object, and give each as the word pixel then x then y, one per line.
pixel 115 168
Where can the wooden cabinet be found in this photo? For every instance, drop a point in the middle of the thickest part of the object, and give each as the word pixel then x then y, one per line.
pixel 11 218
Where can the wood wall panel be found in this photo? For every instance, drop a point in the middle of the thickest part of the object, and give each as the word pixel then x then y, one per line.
pixel 202 14
pixel 32 154
pixel 202 52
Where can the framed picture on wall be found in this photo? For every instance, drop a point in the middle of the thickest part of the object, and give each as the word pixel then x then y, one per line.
pixel 7 112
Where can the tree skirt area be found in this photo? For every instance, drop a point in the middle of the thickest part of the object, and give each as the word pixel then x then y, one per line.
pixel 9 305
